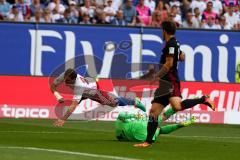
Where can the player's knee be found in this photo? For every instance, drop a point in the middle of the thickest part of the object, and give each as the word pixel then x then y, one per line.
pixel 176 103
pixel 177 108
pixel 153 112
pixel 164 117
pixel 113 104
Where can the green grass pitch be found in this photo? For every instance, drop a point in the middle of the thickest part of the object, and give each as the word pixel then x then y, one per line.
pixel 27 139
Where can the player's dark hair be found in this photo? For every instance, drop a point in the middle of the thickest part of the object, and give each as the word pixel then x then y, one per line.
pixel 169 27
pixel 71 73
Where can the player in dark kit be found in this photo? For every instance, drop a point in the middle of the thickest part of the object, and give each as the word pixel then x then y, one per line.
pixel 168 72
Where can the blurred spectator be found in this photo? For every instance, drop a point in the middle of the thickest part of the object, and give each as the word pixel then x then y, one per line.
pixel 28 2
pixel 15 15
pixel 5 8
pixel 157 19
pixel 37 17
pixel 163 11
pixel 134 2
pixel 210 23
pixel 88 9
pixel 217 6
pixel 67 18
pixel 197 15
pixel 77 2
pixel 36 5
pixel 119 21
pixel 99 3
pixel 55 16
pixel 209 12
pixel 175 3
pixel 66 2
pixel 200 4
pixel 85 19
pixel 23 8
pixel 73 10
pixel 231 17
pixel 238 15
pixel 110 12
pixel 47 15
pixel 45 2
pixel 175 16
pixel 190 22
pixel 129 13
pixel 230 2
pixel 184 8
pixel 171 18
pixel 143 13
pixel 223 23
pixel 11 1
pixel 98 8
pixel 139 23
pixel 56 6
pixel 102 18
pixel 116 4
pixel 150 4
pixel 1 18
pixel 227 3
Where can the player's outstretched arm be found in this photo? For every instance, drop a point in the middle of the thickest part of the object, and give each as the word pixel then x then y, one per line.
pixel 72 107
pixel 56 93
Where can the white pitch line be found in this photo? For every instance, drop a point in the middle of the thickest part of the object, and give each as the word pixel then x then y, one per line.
pixel 71 153
pixel 38 132
pixel 163 135
pixel 48 132
pixel 200 137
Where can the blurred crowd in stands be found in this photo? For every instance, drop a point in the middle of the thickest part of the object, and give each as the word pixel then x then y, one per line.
pixel 205 14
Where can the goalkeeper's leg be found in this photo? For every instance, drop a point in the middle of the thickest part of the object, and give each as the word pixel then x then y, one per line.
pixel 172 127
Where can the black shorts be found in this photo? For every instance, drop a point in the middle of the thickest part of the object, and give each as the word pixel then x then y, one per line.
pixel 161 95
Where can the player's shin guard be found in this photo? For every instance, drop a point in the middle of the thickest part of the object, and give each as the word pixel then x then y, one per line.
pixel 189 103
pixel 160 120
pixel 151 128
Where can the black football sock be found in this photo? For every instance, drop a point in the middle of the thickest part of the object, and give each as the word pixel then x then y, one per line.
pixel 189 103
pixel 151 128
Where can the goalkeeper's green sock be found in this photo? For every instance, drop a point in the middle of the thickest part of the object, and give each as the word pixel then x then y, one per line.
pixel 160 120
pixel 169 112
pixel 169 128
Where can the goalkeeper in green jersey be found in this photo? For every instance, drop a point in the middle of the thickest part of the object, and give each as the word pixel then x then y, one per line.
pixel 133 127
